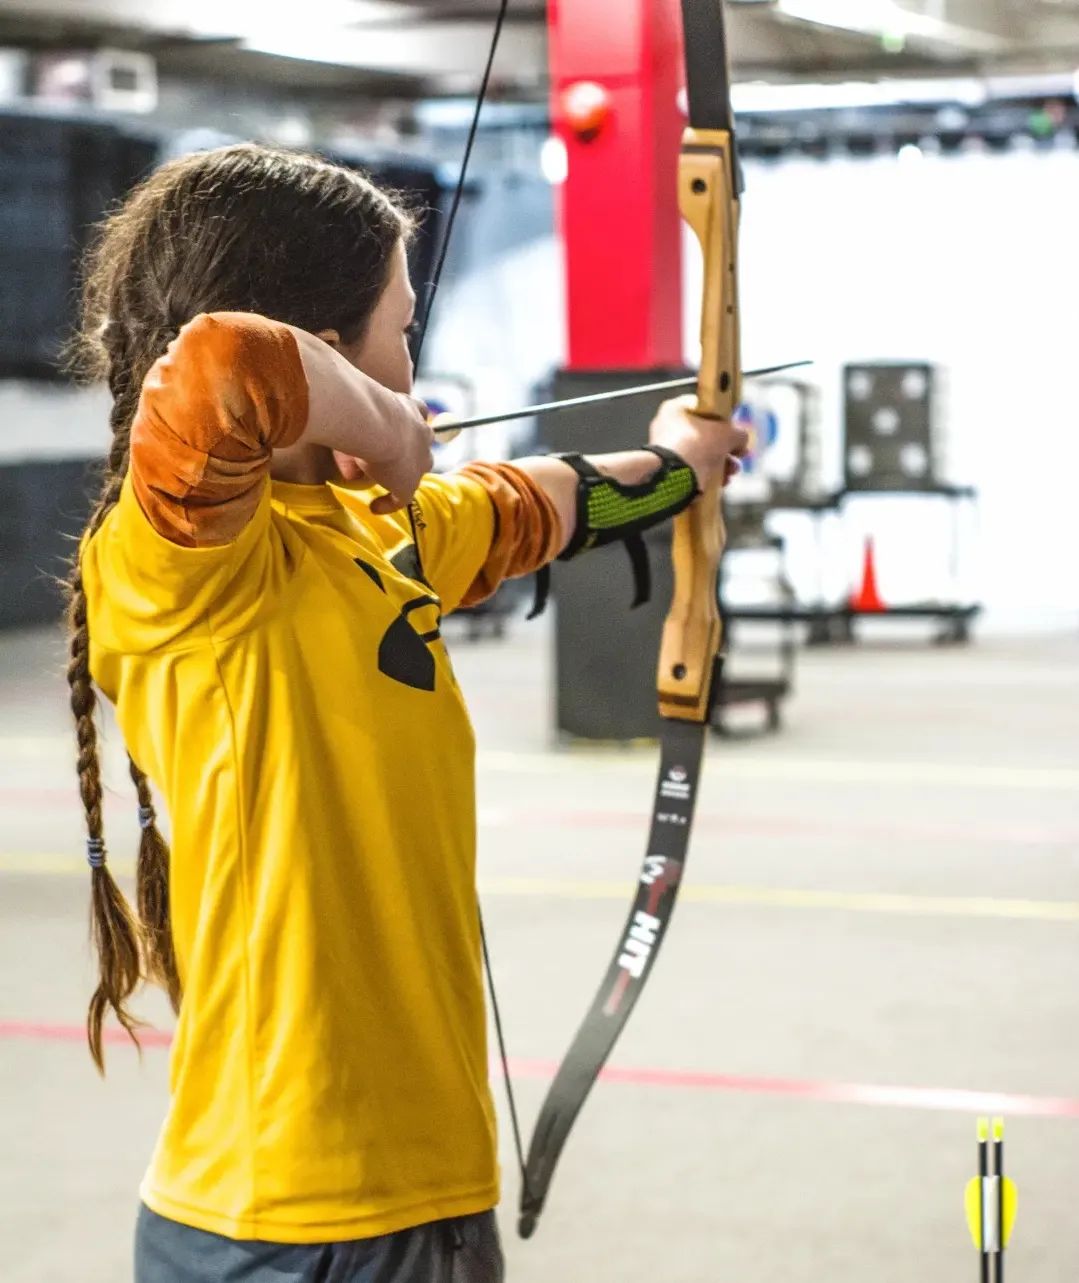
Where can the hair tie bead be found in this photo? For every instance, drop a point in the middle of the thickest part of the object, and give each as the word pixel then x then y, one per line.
pixel 146 817
pixel 95 853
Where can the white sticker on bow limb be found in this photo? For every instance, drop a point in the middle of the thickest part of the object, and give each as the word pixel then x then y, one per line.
pixel 676 786
pixel 653 870
pixel 639 942
pixel 672 817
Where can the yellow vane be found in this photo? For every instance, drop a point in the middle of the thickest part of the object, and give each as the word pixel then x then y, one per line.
pixel 991 1199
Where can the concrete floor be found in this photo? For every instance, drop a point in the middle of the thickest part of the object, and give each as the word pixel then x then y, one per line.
pixel 880 921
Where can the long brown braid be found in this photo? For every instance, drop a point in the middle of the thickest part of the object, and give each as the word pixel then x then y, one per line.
pixel 239 229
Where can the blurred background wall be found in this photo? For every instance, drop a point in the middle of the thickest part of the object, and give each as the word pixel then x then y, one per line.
pixel 891 216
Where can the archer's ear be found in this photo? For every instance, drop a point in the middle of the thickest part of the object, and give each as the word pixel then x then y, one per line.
pixel 332 337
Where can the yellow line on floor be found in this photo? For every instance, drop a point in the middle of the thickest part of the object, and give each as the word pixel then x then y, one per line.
pixel 723 762
pixel 757 897
pixel 730 764
pixel 47 865
pixel 795 898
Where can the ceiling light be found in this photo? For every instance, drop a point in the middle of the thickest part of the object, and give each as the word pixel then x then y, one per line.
pixel 249 18
pixel 766 98
pixel 320 31
pixel 872 16
pixel 888 20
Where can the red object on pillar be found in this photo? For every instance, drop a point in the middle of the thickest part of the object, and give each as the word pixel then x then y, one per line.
pixel 618 208
pixel 585 109
pixel 867 599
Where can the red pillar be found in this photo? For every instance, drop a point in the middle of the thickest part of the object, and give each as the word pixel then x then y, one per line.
pixel 618 210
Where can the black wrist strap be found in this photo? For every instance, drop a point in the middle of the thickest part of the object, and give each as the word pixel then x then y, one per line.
pixel 609 511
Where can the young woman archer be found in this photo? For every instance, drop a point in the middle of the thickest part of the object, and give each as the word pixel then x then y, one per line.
pixel 259 594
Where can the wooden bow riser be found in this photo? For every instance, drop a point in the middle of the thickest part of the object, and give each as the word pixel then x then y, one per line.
pixel 708 199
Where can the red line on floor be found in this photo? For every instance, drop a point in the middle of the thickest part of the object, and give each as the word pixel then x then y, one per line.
pixel 948 1099
pixel 31 1031
pixel 956 1100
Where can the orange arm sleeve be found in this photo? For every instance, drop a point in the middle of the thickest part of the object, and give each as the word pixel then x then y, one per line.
pixel 229 391
pixel 528 532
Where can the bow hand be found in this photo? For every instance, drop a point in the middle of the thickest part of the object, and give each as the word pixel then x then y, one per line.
pixel 711 447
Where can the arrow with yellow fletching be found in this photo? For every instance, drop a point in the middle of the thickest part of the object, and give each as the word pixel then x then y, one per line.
pixel 992 1201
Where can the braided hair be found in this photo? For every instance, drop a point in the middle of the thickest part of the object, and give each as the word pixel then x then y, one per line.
pixel 244 228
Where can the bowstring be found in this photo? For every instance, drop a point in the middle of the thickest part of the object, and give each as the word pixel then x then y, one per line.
pixel 429 301
pixel 458 192
pixel 497 1016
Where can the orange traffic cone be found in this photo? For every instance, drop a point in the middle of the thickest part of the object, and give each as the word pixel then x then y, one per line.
pixel 867 598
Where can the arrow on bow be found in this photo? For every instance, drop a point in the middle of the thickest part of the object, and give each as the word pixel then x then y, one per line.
pixel 709 185
pixel 446 426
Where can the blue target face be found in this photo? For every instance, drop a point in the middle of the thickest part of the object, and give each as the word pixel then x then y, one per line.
pixel 762 424
pixel 771 428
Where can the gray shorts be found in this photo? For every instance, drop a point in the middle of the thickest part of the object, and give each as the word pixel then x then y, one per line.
pixel 465 1249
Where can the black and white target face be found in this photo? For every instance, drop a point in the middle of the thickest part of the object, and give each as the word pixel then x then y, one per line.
pixel 888 426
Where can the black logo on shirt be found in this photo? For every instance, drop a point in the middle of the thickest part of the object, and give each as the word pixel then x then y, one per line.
pixel 403 653
pixel 407 560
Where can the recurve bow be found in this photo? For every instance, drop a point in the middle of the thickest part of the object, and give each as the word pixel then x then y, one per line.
pixel 709 184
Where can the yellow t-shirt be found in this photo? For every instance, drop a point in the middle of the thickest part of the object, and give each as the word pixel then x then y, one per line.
pixel 289 694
